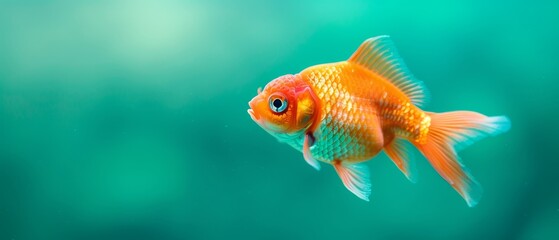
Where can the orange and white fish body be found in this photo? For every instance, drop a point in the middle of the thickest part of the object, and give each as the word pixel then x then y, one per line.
pixel 345 113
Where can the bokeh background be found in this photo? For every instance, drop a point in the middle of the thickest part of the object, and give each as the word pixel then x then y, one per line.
pixel 127 119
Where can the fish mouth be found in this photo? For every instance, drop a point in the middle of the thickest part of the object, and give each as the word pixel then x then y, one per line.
pixel 253 115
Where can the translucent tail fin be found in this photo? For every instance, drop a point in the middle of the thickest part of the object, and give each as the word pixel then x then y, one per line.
pixel 450 132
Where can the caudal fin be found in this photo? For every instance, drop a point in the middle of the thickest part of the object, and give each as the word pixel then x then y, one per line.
pixel 450 132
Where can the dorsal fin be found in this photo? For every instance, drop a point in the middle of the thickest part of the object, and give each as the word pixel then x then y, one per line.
pixel 379 55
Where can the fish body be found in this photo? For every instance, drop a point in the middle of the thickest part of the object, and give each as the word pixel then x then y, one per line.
pixel 361 111
pixel 345 113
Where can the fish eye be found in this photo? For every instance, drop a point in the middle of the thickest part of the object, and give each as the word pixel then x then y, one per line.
pixel 278 103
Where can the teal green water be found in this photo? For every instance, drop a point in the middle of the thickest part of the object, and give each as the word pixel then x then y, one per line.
pixel 127 119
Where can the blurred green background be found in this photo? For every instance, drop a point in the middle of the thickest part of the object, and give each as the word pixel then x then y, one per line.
pixel 127 119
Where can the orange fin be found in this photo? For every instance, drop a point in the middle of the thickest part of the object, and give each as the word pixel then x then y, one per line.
pixel 452 130
pixel 400 153
pixel 355 178
pixel 307 152
pixel 379 55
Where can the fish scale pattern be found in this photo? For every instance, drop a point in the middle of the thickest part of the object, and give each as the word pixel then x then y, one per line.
pixel 347 126
pixel 404 119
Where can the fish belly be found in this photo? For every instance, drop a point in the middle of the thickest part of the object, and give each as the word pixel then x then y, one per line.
pixel 353 141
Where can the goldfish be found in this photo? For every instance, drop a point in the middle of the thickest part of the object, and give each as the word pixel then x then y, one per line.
pixel 345 113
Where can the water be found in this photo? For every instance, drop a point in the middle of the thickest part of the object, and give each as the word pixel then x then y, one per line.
pixel 127 119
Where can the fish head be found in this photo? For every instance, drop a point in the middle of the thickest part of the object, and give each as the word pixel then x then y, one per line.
pixel 286 105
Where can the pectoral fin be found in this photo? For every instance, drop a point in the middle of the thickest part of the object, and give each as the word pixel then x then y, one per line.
pixel 307 152
pixel 355 178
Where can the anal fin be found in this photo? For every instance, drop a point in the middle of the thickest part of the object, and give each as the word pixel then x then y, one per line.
pixel 399 151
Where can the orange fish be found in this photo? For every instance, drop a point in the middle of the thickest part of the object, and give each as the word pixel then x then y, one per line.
pixel 345 113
